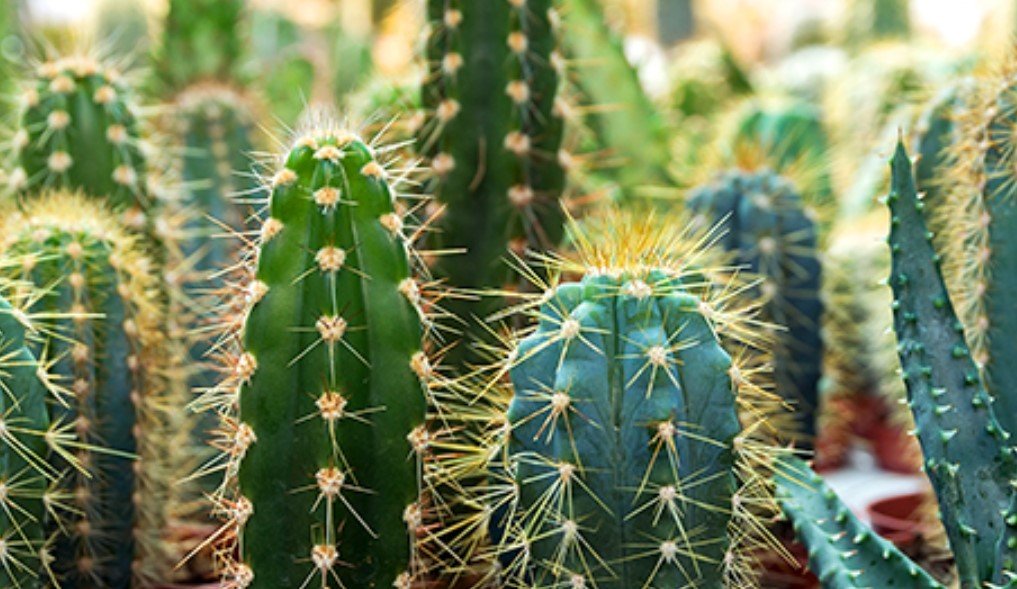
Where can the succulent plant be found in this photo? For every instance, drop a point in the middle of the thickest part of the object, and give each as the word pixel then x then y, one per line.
pixel 201 41
pixel 961 427
pixel 324 406
pixel 763 223
pixel 631 444
pixel 493 136
pixel 108 351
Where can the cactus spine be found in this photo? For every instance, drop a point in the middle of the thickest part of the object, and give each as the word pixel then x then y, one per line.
pixel 763 224
pixel 493 136
pixel 79 130
pixel 25 436
pixel 626 461
pixel 326 401
pixel 109 354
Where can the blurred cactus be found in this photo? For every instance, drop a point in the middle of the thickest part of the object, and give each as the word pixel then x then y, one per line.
pixel 873 20
pixel 113 493
pixel 286 74
pixel 202 40
pixel 325 401
pixel 763 223
pixel 122 28
pixel 704 78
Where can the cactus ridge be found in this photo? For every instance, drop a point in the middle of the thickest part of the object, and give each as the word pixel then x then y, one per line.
pixel 325 483
pixel 79 129
pixel 620 459
pixel 107 347
pixel 764 225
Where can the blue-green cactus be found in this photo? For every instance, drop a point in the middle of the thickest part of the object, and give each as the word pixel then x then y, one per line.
pixel 763 224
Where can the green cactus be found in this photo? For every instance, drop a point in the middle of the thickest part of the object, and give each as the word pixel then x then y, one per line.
pixel 122 27
pixel 285 70
pixel 705 77
pixel 25 439
pixel 494 140
pixel 869 20
pixel 108 351
pixel 627 461
pixel 79 130
pixel 763 223
pixel 201 41
pixel 968 456
pixel 329 392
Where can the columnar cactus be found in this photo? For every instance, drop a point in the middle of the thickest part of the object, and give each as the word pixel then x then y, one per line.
pixel 325 404
pixel 25 441
pixel 763 223
pixel 493 136
pixel 969 457
pixel 108 353
pixel 626 459
pixel 200 42
pixel 79 129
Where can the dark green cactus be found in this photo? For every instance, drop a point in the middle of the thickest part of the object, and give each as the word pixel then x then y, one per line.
pixel 969 457
pixel 79 130
pixel 325 446
pixel 763 224
pixel 493 135
pixel 201 41
pixel 109 355
pixel 25 438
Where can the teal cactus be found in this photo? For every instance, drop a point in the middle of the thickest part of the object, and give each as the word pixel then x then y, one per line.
pixel 201 41
pixel 107 347
pixel 626 459
pixel 764 225
pixel 26 437
pixel 325 403
pixel 493 135
pixel 967 453
pixel 79 129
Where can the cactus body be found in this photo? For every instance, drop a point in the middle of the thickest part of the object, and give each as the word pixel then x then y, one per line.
pixel 109 350
pixel 201 42
pixel 24 475
pixel 79 130
pixel 331 400
pixel 765 227
pixel 494 134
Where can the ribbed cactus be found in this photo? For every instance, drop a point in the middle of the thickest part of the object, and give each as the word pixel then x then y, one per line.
pixel 201 41
pixel 763 224
pixel 108 352
pixel 969 457
pixel 79 129
pixel 626 459
pixel 25 441
pixel 325 404
pixel 493 136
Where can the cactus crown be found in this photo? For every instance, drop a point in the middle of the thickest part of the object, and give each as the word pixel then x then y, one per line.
pixel 324 403
pixel 632 449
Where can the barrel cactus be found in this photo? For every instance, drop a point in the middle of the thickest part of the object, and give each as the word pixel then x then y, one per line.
pixel 630 449
pixel 107 346
pixel 493 135
pixel 763 224
pixel 325 404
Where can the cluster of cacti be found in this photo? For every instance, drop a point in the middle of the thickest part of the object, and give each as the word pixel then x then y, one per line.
pixel 493 136
pixel 762 221
pixel 324 405
pixel 112 487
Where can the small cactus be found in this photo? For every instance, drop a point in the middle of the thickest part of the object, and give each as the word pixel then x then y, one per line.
pixel 325 403
pixel 763 224
pixel 107 350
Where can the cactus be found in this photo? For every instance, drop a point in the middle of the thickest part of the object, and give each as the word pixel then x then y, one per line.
pixel 286 71
pixel 25 439
pixel 878 19
pixel 325 404
pixel 200 42
pixel 967 452
pixel 79 130
pixel 108 350
pixel 769 233
pixel 704 77
pixel 122 26
pixel 493 136
pixel 627 463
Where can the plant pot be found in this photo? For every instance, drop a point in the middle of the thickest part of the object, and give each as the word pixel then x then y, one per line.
pixel 899 519
pixel 781 573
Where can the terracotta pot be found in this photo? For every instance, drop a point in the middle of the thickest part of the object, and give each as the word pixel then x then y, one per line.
pixel 779 573
pixel 898 519
pixel 895 449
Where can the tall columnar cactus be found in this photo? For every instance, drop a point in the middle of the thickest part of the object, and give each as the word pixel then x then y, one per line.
pixel 764 225
pixel 493 136
pixel 626 460
pixel 107 351
pixel 25 441
pixel 79 130
pixel 325 404
pixel 969 456
pixel 201 41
